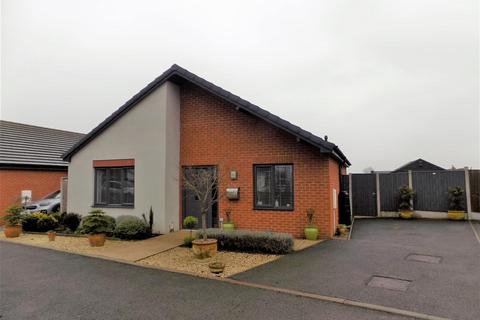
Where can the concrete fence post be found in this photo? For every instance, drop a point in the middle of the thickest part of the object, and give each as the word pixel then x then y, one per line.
pixel 377 183
pixel 468 195
pixel 410 185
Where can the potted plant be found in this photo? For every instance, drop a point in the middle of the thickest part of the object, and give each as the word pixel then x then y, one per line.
pixel 51 235
pixel 455 207
pixel 342 229
pixel 189 223
pixel 311 231
pixel 405 207
pixel 13 221
pixel 216 267
pixel 96 225
pixel 228 225
pixel 203 183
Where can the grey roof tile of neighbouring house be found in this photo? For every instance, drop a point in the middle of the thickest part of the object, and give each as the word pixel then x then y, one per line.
pixel 24 144
pixel 179 75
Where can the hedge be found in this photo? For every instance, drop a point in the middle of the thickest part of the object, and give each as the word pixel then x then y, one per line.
pixel 250 241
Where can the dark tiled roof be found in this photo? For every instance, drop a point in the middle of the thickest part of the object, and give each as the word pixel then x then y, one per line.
pixel 23 144
pixel 419 165
pixel 179 75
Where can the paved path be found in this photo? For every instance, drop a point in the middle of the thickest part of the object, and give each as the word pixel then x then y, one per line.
pixel 379 247
pixel 37 283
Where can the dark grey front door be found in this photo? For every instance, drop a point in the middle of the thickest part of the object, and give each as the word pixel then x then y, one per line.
pixel 364 196
pixel 191 205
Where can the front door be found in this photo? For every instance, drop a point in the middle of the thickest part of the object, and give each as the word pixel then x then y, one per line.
pixel 191 204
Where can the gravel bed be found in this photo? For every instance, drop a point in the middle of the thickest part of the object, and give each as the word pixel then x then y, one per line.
pixel 182 259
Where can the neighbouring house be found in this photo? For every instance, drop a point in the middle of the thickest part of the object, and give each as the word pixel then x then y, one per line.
pixel 134 159
pixel 31 161
pixel 418 165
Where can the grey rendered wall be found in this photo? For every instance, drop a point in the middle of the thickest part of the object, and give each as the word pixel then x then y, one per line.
pixel 150 134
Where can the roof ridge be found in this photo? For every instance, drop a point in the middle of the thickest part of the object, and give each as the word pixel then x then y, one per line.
pixel 40 127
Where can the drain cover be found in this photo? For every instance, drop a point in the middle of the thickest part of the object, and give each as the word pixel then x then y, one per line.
pixel 423 258
pixel 389 283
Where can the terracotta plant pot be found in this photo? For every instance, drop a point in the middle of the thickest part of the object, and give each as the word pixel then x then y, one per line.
pixel 96 240
pixel 216 267
pixel 456 215
pixel 311 233
pixel 12 231
pixel 51 235
pixel 406 214
pixel 228 226
pixel 204 248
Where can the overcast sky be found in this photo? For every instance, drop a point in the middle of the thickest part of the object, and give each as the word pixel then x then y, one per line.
pixel 387 81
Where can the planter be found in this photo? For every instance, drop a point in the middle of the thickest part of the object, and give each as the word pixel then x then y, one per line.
pixel 311 233
pixel 96 240
pixel 51 235
pixel 216 267
pixel 343 231
pixel 228 226
pixel 204 248
pixel 12 231
pixel 406 214
pixel 456 215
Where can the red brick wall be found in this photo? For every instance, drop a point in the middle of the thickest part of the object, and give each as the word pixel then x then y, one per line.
pixel 214 133
pixel 12 182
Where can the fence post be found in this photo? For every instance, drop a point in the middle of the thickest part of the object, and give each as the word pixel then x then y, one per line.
pixel 377 183
pixel 350 195
pixel 410 185
pixel 468 195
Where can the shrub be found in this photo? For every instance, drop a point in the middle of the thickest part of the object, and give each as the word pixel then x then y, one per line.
pixel 130 228
pixel 40 222
pixel 187 241
pixel 251 241
pixel 406 195
pixel 455 198
pixel 71 220
pixel 97 222
pixel 190 222
pixel 13 215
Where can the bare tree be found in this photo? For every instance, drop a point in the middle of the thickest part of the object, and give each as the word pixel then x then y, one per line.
pixel 203 182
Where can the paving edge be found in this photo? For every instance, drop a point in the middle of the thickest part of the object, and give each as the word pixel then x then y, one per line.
pixel 332 299
pixel 474 231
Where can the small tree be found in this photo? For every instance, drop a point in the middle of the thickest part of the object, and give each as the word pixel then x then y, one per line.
pixel 13 216
pixel 455 197
pixel 406 196
pixel 190 222
pixel 203 182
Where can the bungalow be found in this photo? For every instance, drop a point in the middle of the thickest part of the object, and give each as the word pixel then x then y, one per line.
pixel 31 162
pixel 134 159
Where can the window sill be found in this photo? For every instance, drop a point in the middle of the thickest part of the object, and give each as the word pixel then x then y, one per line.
pixel 113 206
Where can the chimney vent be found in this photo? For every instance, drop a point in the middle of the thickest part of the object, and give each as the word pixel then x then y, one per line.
pixel 326 138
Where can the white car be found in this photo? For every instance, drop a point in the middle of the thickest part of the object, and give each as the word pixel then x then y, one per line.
pixel 49 203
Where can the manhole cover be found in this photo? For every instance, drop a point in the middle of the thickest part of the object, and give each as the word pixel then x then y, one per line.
pixel 389 283
pixel 424 258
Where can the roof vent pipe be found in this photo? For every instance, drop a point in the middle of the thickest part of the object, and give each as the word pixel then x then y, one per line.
pixel 326 138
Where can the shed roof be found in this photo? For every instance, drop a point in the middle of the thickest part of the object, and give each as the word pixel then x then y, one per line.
pixel 179 76
pixel 24 144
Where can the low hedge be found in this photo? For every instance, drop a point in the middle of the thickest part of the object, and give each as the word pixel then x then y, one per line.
pixel 39 222
pixel 250 241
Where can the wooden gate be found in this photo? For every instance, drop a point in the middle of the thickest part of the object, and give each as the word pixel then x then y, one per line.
pixel 364 196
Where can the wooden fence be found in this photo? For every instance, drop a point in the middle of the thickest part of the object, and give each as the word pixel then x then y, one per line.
pixel 375 193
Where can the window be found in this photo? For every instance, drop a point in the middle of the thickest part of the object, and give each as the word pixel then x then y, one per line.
pixel 114 186
pixel 273 187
